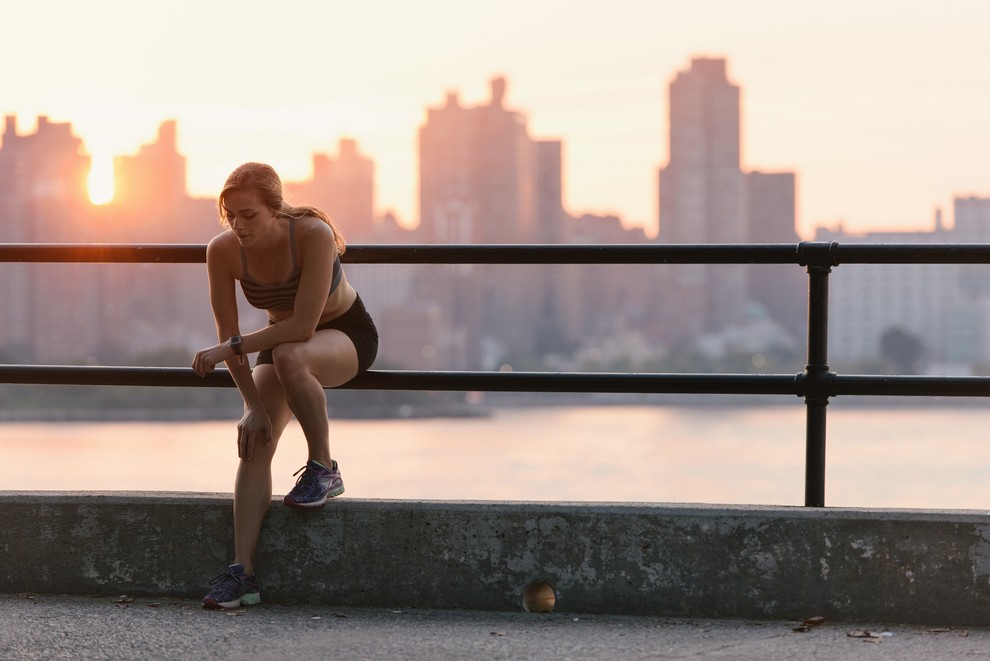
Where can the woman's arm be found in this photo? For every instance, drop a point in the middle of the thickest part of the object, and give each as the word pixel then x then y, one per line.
pixel 255 424
pixel 317 252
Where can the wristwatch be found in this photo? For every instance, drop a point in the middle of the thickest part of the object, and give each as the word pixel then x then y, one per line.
pixel 235 343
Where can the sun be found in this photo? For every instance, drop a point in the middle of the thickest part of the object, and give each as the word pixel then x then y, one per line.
pixel 101 189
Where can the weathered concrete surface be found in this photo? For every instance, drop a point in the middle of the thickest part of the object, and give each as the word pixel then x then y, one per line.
pixel 684 560
pixel 47 627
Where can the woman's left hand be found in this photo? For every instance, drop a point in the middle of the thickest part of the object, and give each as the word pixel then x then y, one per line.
pixel 207 359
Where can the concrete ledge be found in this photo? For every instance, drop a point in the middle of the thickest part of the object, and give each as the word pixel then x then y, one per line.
pixel 678 560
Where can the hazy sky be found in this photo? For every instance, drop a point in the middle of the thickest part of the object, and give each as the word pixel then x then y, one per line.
pixel 881 106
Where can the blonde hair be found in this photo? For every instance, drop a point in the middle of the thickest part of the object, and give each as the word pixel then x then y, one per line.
pixel 263 180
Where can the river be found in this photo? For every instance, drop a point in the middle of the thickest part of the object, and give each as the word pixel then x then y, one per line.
pixel 928 457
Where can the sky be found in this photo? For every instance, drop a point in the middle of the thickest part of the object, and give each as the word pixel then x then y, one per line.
pixel 881 107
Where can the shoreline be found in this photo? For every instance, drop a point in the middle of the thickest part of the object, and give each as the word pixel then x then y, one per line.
pixel 489 406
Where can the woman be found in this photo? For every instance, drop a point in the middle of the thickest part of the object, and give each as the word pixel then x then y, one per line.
pixel 318 336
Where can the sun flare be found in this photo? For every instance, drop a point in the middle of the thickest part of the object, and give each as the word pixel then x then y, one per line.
pixel 101 189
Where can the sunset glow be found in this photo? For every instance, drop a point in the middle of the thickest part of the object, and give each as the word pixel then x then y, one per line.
pixel 101 180
pixel 883 118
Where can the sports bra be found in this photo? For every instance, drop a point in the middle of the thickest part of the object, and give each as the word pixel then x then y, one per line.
pixel 280 297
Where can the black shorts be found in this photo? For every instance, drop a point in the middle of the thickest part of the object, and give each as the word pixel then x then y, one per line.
pixel 357 325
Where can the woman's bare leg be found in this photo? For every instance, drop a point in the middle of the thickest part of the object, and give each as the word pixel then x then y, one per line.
pixel 253 485
pixel 304 369
pixel 294 385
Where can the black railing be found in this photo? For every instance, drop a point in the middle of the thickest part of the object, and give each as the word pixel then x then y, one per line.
pixel 817 384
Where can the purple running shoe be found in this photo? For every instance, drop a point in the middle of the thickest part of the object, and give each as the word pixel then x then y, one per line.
pixel 316 484
pixel 232 588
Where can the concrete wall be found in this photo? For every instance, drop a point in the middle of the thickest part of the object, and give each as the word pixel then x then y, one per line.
pixel 683 560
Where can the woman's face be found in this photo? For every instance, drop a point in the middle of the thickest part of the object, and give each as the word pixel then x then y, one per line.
pixel 247 216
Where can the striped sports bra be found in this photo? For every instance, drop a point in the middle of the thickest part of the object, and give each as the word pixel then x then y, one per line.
pixel 280 297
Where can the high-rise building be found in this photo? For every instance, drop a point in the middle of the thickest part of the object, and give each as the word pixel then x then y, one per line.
pixel 43 179
pixel 702 190
pixel 343 187
pixel 971 219
pixel 110 312
pixel 944 307
pixel 596 302
pixel 484 180
pixel 552 225
pixel 771 207
pixel 151 186
pixel 780 289
pixel 705 197
pixel 701 185
pixel 49 310
pixel 924 301
pixel 971 224
pixel 479 173
pixel 156 306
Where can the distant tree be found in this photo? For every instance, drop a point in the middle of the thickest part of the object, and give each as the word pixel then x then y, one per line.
pixel 902 349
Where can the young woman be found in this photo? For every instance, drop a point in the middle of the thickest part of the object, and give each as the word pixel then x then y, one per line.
pixel 318 336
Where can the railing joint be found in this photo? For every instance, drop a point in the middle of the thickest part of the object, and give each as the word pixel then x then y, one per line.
pixel 818 255
pixel 819 382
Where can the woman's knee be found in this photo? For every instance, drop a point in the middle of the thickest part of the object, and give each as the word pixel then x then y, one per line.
pixel 260 462
pixel 289 360
pixel 262 452
pixel 330 357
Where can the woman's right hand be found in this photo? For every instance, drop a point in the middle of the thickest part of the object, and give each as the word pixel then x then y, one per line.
pixel 254 426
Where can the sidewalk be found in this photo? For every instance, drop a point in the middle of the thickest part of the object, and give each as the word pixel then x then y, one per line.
pixel 61 627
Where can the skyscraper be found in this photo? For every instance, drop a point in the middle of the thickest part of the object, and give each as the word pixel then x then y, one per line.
pixel 706 197
pixel 702 190
pixel 344 187
pixel 484 180
pixel 151 185
pixel 49 309
pixel 478 173
pixel 152 305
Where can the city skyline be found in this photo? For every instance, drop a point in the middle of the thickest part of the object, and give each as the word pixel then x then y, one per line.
pixel 486 178
pixel 879 109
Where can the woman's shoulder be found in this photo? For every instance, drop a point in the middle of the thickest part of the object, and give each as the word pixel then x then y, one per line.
pixel 312 228
pixel 223 244
pixel 224 239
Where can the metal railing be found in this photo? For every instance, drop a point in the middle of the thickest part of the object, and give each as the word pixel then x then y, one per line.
pixel 817 384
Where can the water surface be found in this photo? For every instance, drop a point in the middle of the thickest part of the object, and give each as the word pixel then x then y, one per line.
pixel 928 457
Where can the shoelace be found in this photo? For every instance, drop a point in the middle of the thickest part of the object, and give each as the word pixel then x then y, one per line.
pixel 307 478
pixel 225 577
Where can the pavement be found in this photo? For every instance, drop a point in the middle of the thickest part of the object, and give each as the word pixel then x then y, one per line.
pixel 76 627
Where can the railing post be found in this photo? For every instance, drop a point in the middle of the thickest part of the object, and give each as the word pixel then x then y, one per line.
pixel 819 259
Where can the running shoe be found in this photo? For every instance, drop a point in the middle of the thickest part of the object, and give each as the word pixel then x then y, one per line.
pixel 232 588
pixel 316 484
